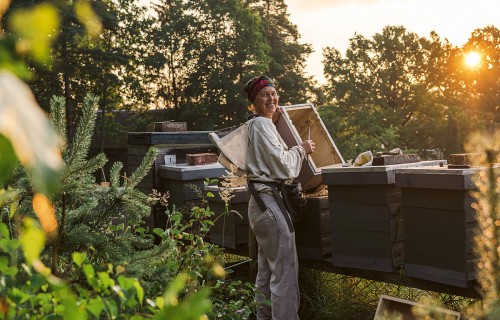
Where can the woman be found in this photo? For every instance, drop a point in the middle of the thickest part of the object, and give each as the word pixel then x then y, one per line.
pixel 269 161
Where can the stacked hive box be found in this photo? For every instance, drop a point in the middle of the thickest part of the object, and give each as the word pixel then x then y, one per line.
pixel 231 226
pixel 312 232
pixel 439 224
pixel 185 183
pixel 365 221
pixel 176 144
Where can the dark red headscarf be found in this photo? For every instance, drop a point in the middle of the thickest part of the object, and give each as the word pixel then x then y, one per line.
pixel 253 86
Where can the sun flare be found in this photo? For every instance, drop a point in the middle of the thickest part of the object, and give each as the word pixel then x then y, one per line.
pixel 472 59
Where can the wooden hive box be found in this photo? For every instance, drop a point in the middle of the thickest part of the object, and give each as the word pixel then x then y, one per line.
pixel 185 183
pixel 439 224
pixel 365 221
pixel 312 233
pixel 396 308
pixel 176 144
pixel 302 122
pixel 229 229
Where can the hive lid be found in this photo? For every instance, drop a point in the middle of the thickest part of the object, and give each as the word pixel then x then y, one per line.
pixel 302 122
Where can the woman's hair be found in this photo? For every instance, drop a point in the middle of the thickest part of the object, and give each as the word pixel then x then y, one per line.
pixel 253 86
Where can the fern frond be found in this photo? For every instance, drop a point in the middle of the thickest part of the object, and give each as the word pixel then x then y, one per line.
pixel 144 168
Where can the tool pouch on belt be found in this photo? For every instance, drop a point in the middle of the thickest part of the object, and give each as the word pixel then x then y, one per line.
pixel 294 200
pixel 290 199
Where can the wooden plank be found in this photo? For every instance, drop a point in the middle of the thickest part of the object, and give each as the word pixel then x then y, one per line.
pixel 364 194
pixel 338 175
pixel 361 220
pixel 438 275
pixel 363 263
pixel 351 216
pixel 433 252
pixel 366 244
pixel 185 172
pixel 434 222
pixel 186 139
pixel 436 178
pixel 459 200
pixel 386 160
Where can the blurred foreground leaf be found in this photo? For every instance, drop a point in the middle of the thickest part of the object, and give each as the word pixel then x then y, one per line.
pixel 28 129
pixel 37 28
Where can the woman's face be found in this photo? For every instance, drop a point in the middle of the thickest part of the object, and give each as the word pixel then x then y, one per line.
pixel 266 102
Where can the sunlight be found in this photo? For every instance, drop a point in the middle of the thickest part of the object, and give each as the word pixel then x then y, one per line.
pixel 472 59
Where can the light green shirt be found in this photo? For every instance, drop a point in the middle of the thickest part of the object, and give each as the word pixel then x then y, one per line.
pixel 268 157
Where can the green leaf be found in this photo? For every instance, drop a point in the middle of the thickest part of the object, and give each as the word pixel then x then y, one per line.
pixel 18 296
pixel 106 280
pixel 32 241
pixel 95 306
pixel 8 160
pixel 4 231
pixel 139 290
pixel 79 257
pixel 38 28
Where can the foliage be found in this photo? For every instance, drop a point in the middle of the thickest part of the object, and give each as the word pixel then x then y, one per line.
pixel 487 148
pixel 28 289
pixel 381 93
pixel 287 55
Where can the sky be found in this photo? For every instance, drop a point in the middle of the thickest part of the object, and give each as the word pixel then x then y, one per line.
pixel 331 23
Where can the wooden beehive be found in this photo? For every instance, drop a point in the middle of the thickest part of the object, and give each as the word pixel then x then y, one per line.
pixel 439 224
pixel 302 122
pixel 312 232
pixel 185 183
pixel 168 144
pixel 230 229
pixel 366 224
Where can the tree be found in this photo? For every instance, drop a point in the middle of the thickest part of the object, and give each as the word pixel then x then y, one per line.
pixel 382 92
pixel 206 50
pixel 483 82
pixel 287 55
pixel 108 63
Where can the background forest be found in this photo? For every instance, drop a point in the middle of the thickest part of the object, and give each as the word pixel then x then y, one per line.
pixel 192 58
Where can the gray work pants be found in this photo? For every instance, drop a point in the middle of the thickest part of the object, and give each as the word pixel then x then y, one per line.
pixel 277 275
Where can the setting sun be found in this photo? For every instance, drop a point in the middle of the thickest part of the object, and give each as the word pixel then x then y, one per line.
pixel 472 59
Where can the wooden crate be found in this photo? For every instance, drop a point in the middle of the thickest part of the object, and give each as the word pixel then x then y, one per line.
pixel 312 233
pixel 439 224
pixel 396 308
pixel 365 220
pixel 299 123
pixel 229 229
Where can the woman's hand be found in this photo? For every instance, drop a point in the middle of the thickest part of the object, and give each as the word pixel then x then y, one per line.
pixel 309 146
pixel 277 114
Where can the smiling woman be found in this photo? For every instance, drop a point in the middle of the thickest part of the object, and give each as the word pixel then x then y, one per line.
pixel 472 59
